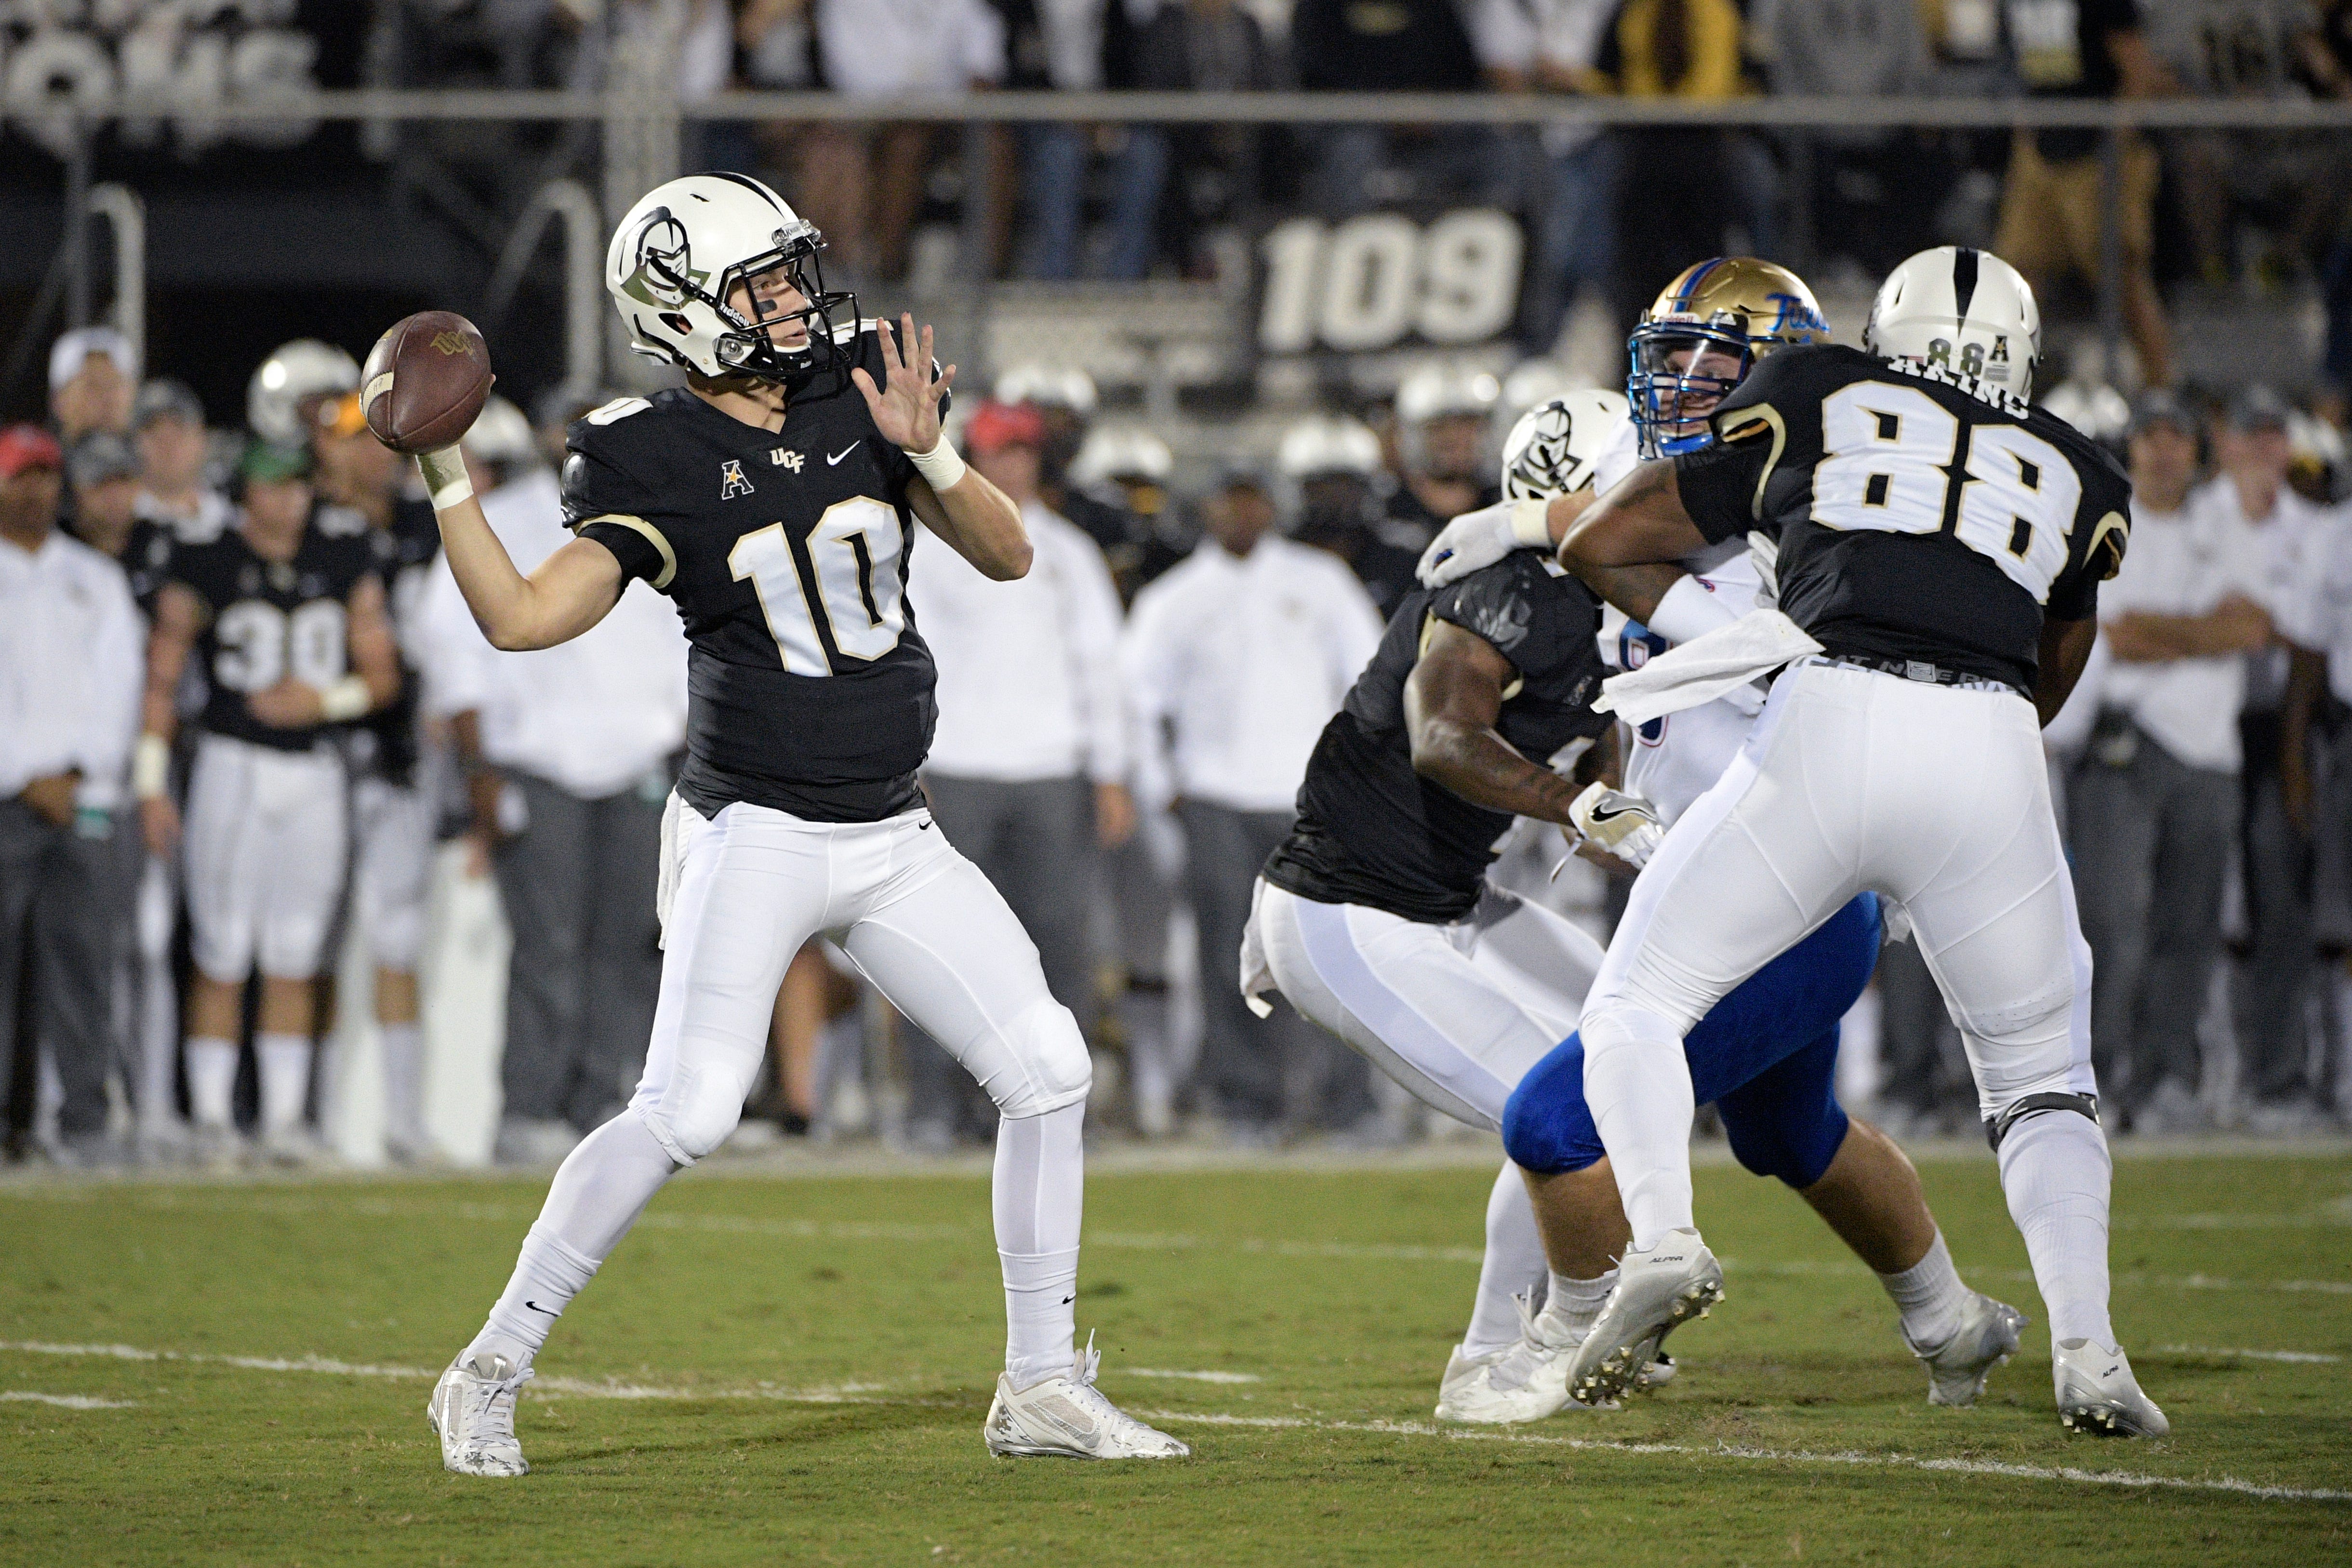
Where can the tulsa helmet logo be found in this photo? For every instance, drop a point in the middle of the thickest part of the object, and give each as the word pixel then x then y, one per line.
pixel 1791 311
pixel 731 482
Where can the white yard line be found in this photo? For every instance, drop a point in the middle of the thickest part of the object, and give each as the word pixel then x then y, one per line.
pixel 69 1400
pixel 1779 1456
pixel 868 1393
pixel 2298 1358
pixel 1190 1376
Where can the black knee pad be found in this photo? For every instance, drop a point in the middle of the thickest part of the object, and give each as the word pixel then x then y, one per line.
pixel 1997 1127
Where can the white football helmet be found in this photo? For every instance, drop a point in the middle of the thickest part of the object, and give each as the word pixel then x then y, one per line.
pixel 1048 386
pixel 1122 452
pixel 680 252
pixel 1435 390
pixel 502 434
pixel 1962 310
pixel 1328 444
pixel 2094 407
pixel 1533 381
pixel 1551 451
pixel 291 376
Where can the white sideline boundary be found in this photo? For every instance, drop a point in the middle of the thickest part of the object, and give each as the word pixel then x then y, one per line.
pixel 854 1393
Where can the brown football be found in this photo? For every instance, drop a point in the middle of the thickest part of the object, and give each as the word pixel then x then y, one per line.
pixel 424 382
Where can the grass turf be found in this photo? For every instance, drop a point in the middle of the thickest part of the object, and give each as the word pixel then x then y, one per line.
pixel 810 1358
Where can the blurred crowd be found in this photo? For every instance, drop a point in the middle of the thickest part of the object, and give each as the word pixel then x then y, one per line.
pixel 203 810
pixel 1122 202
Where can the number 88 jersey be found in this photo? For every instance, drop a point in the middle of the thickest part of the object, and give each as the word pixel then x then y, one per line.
pixel 809 690
pixel 1912 514
pixel 266 621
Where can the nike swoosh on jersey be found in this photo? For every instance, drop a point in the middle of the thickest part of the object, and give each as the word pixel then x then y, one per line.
pixel 836 456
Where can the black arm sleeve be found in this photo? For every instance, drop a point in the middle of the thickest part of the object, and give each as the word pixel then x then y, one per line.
pixel 598 497
pixel 1499 605
pixel 633 551
pixel 1718 486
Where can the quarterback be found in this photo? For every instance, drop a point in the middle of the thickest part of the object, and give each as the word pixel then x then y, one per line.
pixel 773 500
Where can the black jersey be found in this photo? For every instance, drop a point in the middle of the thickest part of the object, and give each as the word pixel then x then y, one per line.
pixel 1373 831
pixel 384 743
pixel 263 621
pixel 786 552
pixel 146 561
pixel 1912 519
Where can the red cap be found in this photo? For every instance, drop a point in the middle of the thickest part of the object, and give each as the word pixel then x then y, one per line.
pixel 994 426
pixel 26 447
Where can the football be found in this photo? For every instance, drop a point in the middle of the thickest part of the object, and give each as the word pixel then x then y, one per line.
pixel 425 380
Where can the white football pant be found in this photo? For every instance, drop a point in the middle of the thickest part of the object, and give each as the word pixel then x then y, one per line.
pixel 393 870
pixel 918 919
pixel 1457 1014
pixel 1934 796
pixel 265 846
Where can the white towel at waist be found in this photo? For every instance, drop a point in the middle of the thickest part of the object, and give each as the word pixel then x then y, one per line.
pixel 1706 667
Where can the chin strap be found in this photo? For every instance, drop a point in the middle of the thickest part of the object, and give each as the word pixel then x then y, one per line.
pixel 1997 1127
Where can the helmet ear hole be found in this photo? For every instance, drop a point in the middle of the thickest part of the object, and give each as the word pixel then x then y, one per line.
pixel 676 322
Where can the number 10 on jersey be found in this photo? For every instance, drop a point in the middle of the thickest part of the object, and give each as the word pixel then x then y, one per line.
pixel 853 581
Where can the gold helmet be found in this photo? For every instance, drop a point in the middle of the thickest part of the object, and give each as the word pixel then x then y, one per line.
pixel 1717 317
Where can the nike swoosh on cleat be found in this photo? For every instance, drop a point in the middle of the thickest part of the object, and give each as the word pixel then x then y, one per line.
pixel 836 456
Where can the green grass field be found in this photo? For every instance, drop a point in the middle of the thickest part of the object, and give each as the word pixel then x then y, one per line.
pixel 795 1368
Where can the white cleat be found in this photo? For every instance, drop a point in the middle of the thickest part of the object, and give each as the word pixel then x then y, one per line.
pixel 1987 1338
pixel 2098 1395
pixel 1067 1418
pixel 1657 1292
pixel 1524 1382
pixel 473 1409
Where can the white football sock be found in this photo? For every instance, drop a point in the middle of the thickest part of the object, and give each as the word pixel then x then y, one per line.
pixel 1638 1084
pixel 2055 1172
pixel 285 1079
pixel 1039 1197
pixel 1575 1304
pixel 1514 1266
pixel 403 1083
pixel 212 1081
pixel 599 1191
pixel 1930 1295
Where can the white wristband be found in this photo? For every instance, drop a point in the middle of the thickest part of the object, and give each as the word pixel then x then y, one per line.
pixel 1531 524
pixel 943 466
pixel 346 699
pixel 151 767
pixel 1688 610
pixel 445 476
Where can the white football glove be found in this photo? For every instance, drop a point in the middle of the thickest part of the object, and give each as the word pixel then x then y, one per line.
pixel 1625 826
pixel 1476 540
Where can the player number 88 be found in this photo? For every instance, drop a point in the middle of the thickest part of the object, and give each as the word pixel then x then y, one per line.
pixel 1890 451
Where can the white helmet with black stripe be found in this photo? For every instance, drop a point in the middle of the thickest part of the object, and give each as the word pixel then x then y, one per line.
pixel 680 252
pixel 1553 447
pixel 1959 309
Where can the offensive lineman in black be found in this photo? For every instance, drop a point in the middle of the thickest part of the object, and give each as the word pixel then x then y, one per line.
pixel 773 500
pixel 1938 547
pixel 1375 917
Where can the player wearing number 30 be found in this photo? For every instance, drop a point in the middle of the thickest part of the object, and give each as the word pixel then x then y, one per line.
pixel 773 499
pixel 1938 551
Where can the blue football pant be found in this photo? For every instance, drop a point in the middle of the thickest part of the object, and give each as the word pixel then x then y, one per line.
pixel 1766 1055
